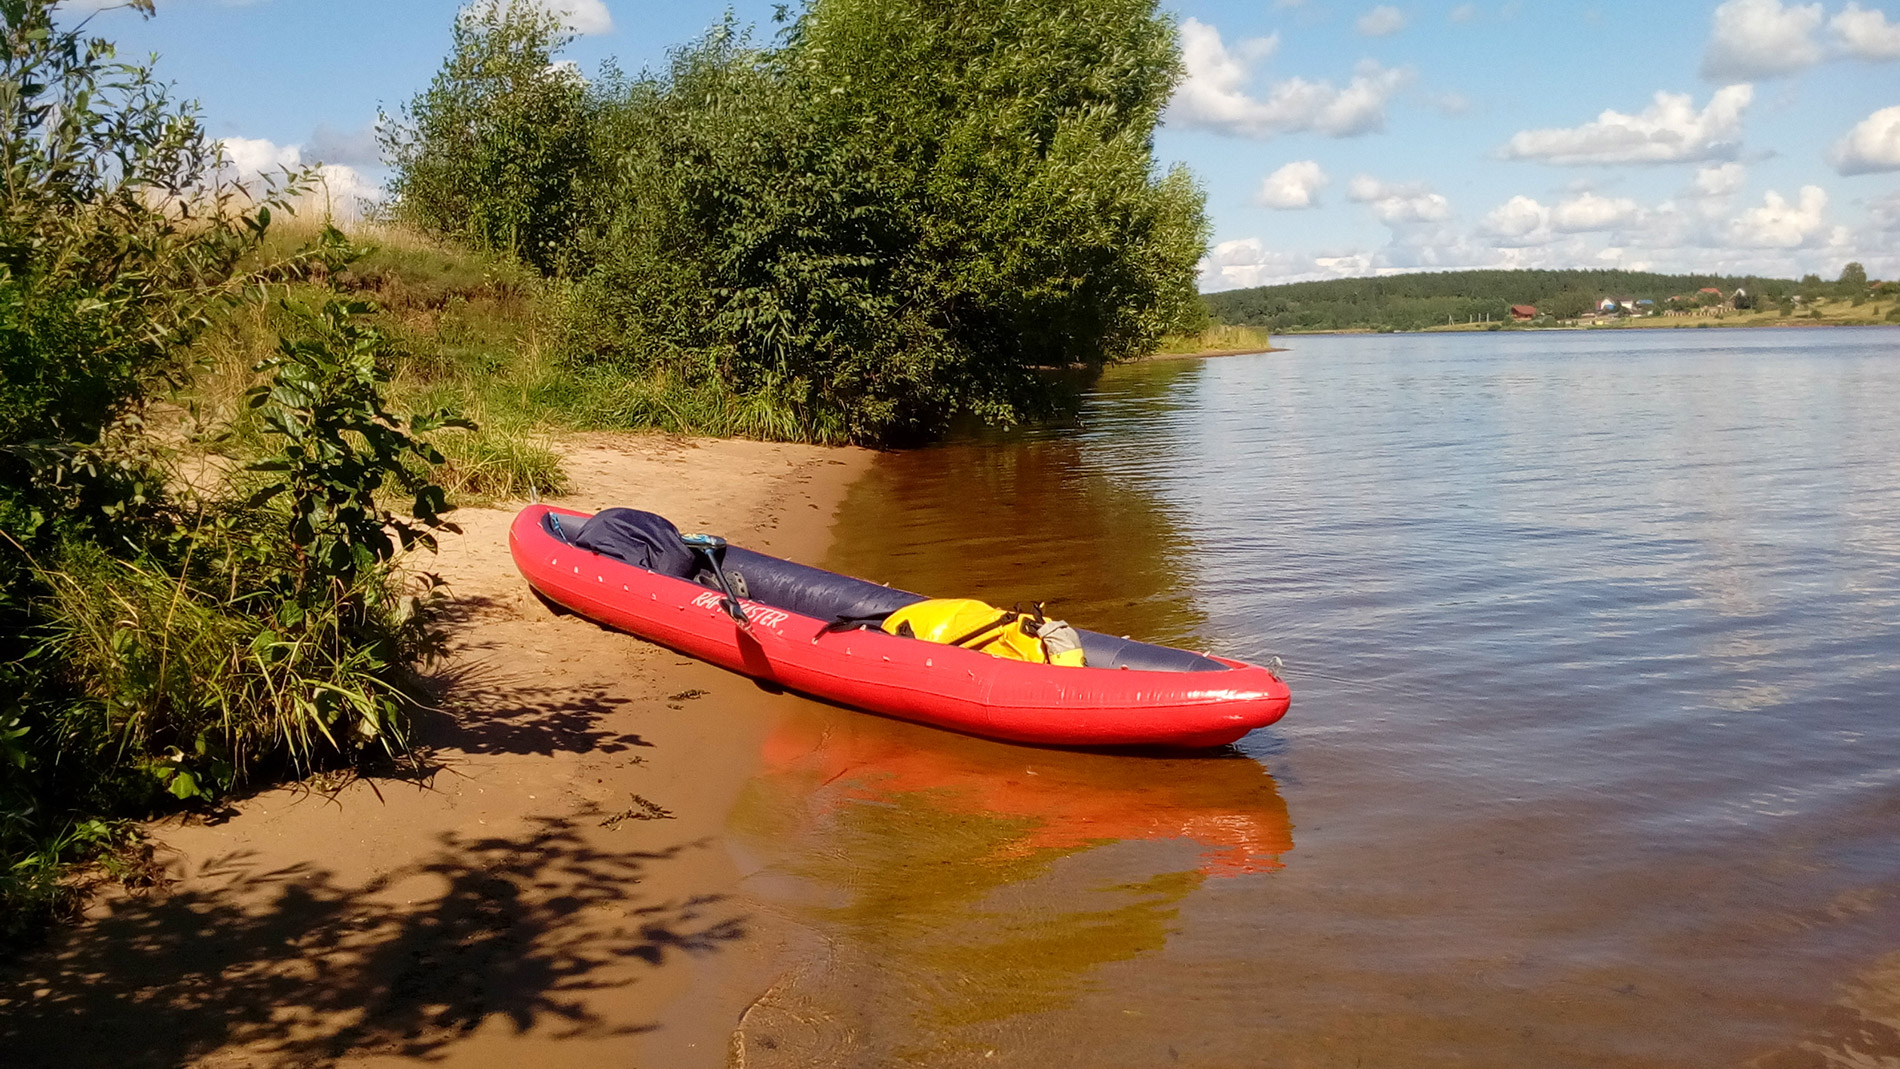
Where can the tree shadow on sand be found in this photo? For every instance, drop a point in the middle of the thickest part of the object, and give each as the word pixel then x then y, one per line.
pixel 483 708
pixel 298 968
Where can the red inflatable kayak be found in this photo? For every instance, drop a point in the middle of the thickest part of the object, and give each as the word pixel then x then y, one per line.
pixel 1131 693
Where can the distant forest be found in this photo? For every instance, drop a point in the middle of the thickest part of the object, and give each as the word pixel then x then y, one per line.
pixel 1415 301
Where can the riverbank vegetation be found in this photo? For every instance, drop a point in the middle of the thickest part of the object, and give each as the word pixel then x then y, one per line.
pixel 1463 299
pixel 894 218
pixel 164 638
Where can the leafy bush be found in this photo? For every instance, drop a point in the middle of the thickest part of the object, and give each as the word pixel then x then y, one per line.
pixel 489 154
pixel 896 218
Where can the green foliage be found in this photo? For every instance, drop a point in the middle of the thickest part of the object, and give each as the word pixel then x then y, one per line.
pixel 892 220
pixel 1853 280
pixel 1225 338
pixel 111 243
pixel 1426 299
pixel 490 153
pixel 340 446
pixel 156 647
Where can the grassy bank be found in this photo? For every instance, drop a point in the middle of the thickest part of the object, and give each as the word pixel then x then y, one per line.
pixel 1216 340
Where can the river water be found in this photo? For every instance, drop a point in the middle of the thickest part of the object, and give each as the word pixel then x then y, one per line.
pixel 1594 757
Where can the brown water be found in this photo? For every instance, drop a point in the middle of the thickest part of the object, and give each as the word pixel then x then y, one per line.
pixel 1594 757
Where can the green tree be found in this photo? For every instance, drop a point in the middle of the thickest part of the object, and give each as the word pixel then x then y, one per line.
pixel 491 152
pixel 1853 281
pixel 900 215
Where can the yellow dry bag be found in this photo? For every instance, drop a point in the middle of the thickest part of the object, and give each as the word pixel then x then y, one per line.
pixel 976 625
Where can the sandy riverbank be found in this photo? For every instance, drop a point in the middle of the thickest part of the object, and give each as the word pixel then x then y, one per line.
pixel 542 895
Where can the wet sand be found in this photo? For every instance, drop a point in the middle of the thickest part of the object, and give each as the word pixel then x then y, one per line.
pixel 551 890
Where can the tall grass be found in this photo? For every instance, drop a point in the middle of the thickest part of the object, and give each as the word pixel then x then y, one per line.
pixel 1219 338
pixel 463 330
pixel 480 334
pixel 609 399
pixel 185 681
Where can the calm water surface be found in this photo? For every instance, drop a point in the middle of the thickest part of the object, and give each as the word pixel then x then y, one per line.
pixel 1594 757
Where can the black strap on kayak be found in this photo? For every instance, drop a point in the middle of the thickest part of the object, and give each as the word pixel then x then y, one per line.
pixel 1008 617
pixel 851 623
pixel 876 619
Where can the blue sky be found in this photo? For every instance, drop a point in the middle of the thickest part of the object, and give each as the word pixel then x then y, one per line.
pixel 1332 139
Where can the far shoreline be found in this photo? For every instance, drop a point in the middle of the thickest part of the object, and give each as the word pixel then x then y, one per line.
pixel 1480 328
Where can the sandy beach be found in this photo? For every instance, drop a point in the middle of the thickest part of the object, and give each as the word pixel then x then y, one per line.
pixel 549 889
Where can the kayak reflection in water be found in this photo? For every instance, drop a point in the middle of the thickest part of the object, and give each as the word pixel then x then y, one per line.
pixel 1229 806
pixel 955 889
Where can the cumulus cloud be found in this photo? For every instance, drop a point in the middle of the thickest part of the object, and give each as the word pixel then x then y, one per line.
pixel 338 191
pixel 1248 262
pixel 250 157
pixel 1716 180
pixel 1214 95
pixel 1761 39
pixel 585 17
pixel 1294 186
pixel 1382 21
pixel 1776 235
pixel 1777 224
pixel 1590 212
pixel 1872 145
pixel 1399 205
pixel 1865 34
pixel 1670 130
pixel 1518 222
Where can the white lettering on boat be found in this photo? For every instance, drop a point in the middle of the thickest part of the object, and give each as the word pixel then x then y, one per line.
pixel 759 615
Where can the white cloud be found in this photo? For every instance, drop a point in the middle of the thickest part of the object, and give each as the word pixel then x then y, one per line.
pixel 1248 262
pixel 1778 224
pixel 1214 93
pixel 1716 180
pixel 1872 145
pixel 1865 34
pixel 1398 205
pixel 1669 131
pixel 1382 21
pixel 254 156
pixel 1775 236
pixel 1294 186
pixel 1464 13
pixel 1518 222
pixel 1590 212
pixel 337 191
pixel 1761 39
pixel 585 17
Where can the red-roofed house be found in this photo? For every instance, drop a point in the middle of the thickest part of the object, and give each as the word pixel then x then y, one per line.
pixel 1523 312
